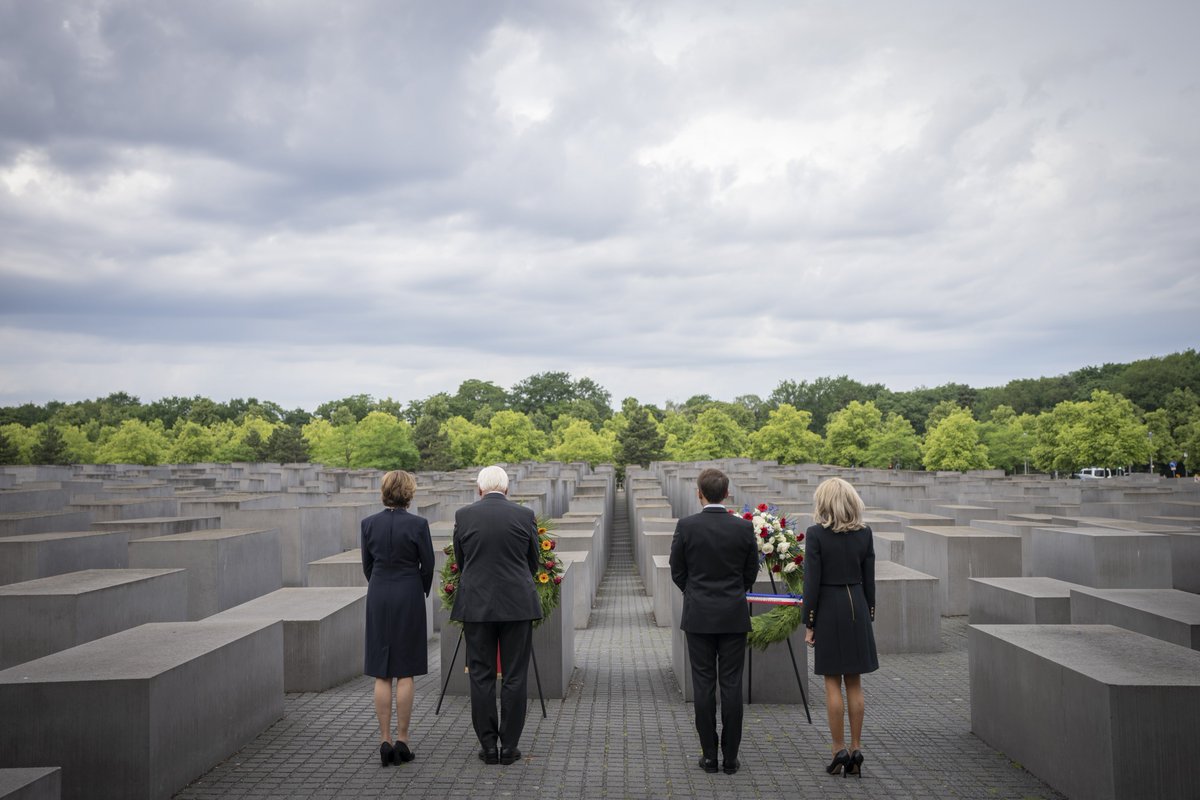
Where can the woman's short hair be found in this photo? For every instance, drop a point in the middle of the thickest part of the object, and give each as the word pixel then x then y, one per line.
pixel 492 479
pixel 398 488
pixel 837 506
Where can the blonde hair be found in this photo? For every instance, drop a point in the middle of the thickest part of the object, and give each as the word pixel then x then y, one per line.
pixel 397 489
pixel 837 506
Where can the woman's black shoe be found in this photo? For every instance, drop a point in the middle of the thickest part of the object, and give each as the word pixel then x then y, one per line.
pixel 403 754
pixel 840 760
pixel 386 754
pixel 855 765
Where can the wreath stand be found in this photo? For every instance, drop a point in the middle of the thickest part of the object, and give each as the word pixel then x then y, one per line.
pixel 537 677
pixel 776 600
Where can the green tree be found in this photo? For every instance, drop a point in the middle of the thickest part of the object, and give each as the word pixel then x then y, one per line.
pixel 474 395
pixel 851 431
pixel 381 441
pixel 715 435
pixel 579 441
pixel 23 438
pixel 358 405
pixel 286 445
pixel 135 442
pixel 1008 438
pixel 325 444
pixel 50 449
pixel 191 443
pixel 510 436
pixel 953 444
pixel 1164 448
pixel 9 454
pixel 433 444
pixel 896 446
pixel 464 437
pixel 640 441
pixel 824 396
pixel 785 438
pixel 256 444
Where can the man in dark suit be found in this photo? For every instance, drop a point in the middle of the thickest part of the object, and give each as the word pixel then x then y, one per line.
pixel 496 549
pixel 714 561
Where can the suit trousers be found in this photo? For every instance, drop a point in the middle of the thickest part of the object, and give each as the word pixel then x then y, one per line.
pixel 718 658
pixel 515 640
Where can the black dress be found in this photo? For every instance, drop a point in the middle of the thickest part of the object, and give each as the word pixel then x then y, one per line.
pixel 397 556
pixel 839 600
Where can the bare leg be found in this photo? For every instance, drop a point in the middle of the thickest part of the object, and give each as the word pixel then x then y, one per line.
pixel 383 708
pixel 857 708
pixel 835 711
pixel 404 704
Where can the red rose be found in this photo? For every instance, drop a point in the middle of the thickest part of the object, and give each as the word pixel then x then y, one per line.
pixel 549 565
pixel 449 588
pixel 798 560
pixel 557 579
pixel 553 544
pixel 747 515
pixel 454 568
pixel 776 568
pixel 799 537
pixel 764 534
pixel 783 522
pixel 762 506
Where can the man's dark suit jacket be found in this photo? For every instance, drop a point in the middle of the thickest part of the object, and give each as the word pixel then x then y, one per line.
pixel 496 549
pixel 714 561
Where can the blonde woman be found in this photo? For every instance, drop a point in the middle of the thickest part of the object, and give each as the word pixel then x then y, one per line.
pixel 397 558
pixel 839 603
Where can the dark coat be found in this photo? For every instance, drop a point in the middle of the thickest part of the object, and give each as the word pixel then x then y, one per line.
pixel 397 558
pixel 496 549
pixel 714 562
pixel 839 600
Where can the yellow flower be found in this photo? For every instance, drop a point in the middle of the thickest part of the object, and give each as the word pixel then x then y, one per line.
pixel 541 531
pixel 546 544
pixel 543 577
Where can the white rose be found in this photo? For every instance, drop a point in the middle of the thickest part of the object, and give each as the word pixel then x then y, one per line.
pixel 790 566
pixel 768 549
pixel 758 523
pixel 783 547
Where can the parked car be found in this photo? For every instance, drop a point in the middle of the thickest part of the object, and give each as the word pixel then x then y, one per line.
pixel 1093 472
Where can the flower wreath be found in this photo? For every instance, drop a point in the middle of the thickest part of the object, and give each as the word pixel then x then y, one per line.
pixel 781 549
pixel 546 581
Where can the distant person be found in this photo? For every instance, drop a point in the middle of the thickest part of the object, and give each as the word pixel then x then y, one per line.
pixel 496 549
pixel 839 603
pixel 714 562
pixel 397 558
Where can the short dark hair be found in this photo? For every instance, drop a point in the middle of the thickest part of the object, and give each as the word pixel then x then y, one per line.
pixel 714 485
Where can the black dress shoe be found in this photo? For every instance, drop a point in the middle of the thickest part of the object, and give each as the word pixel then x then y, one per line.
pixel 402 753
pixel 489 755
pixel 708 764
pixel 508 755
pixel 386 754
pixel 731 766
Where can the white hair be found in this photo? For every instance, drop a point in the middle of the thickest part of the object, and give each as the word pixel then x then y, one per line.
pixel 492 479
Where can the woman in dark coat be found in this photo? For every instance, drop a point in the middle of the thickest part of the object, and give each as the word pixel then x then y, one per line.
pixel 839 607
pixel 397 556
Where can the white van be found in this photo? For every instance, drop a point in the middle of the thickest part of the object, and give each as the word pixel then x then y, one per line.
pixel 1093 472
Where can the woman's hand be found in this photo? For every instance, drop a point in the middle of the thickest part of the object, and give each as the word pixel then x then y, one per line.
pixel 808 637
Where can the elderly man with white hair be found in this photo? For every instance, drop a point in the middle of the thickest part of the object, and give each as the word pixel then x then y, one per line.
pixel 496 550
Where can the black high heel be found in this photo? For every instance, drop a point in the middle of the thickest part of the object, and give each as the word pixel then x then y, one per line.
pixel 841 759
pixel 855 765
pixel 386 754
pixel 403 754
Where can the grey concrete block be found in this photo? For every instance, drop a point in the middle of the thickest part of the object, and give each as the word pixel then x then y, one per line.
pixel 889 546
pixel 581 563
pixel 304 535
pixel 1020 601
pixel 31 783
pixel 908 616
pixel 323 633
pixel 25 522
pixel 1087 707
pixel 341 569
pixel 40 555
pixel 159 526
pixel 954 554
pixel 46 615
pixel 1103 557
pixel 662 591
pixel 224 567
pixel 1167 614
pixel 145 711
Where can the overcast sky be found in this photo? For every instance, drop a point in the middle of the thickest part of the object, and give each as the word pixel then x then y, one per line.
pixel 299 201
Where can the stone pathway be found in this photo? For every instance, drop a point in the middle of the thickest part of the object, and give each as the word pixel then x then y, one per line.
pixel 625 732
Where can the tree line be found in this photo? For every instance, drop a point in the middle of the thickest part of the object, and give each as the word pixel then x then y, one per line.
pixel 1114 415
